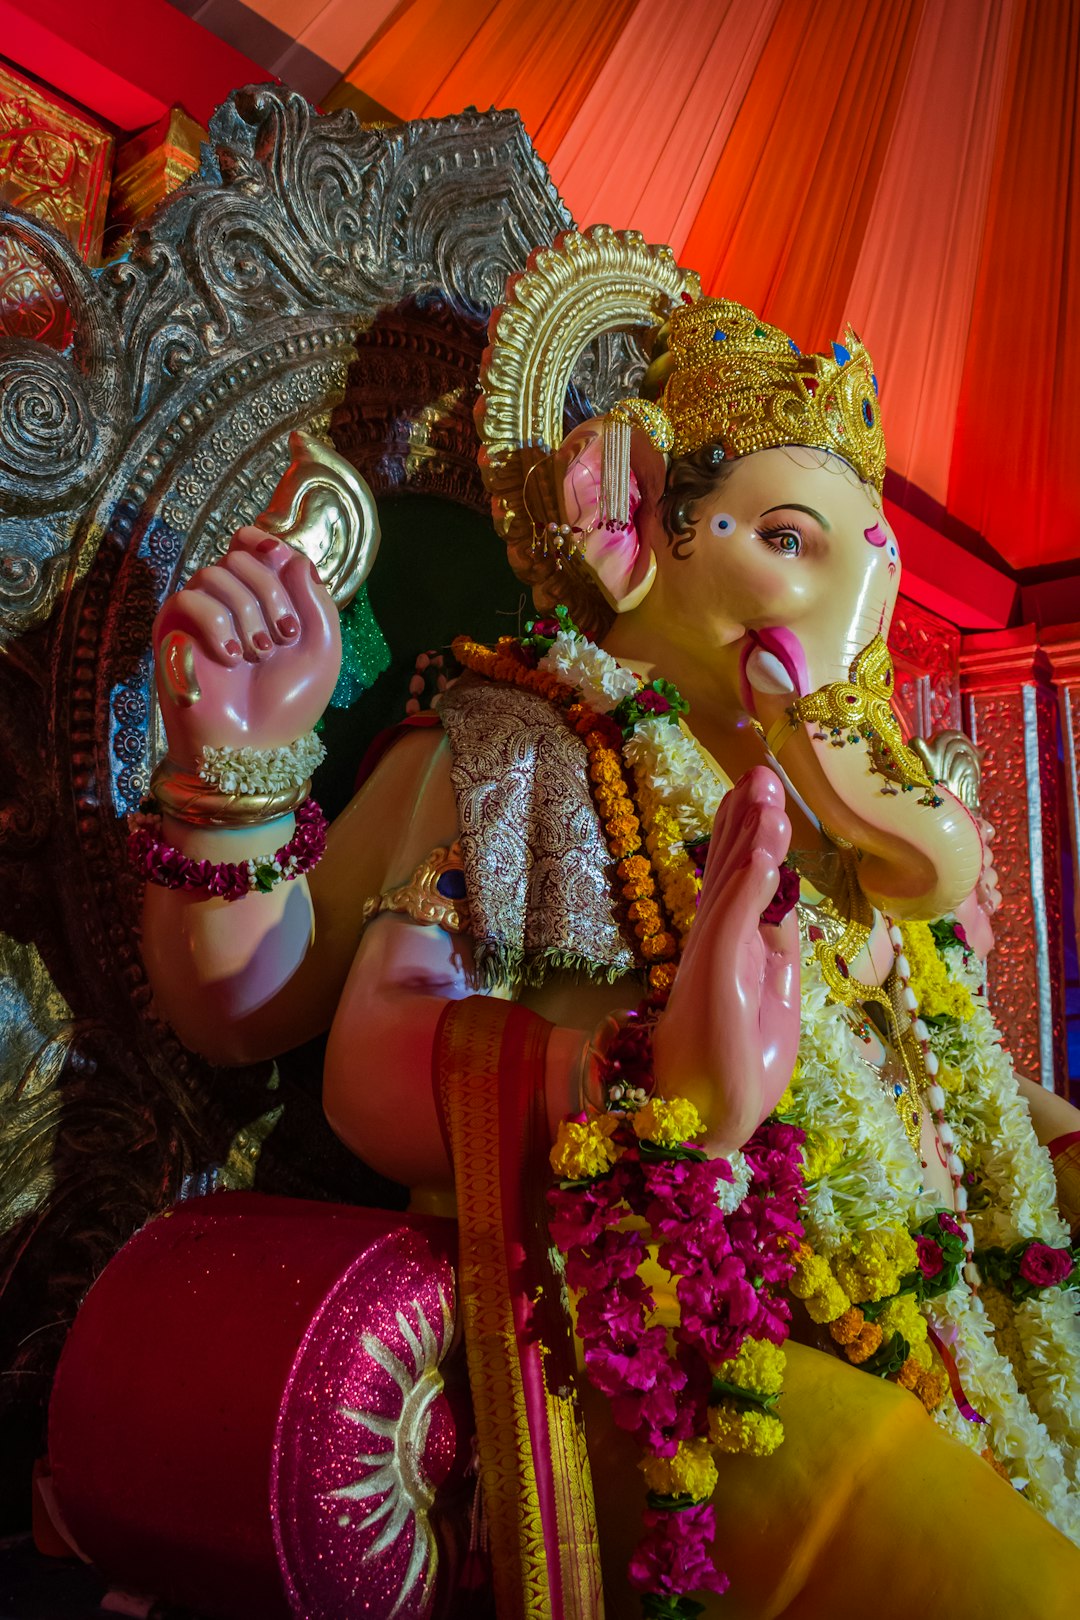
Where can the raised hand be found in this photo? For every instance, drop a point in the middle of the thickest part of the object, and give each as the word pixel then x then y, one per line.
pixel 247 653
pixel 729 1035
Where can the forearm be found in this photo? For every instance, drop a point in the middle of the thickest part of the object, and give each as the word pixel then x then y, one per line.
pixel 215 965
pixel 1051 1115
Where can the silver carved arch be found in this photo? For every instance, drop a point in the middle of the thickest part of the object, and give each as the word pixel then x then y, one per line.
pixel 313 272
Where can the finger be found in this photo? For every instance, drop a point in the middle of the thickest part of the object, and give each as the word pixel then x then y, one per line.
pixel 207 621
pixel 265 586
pixel 755 813
pixel 312 602
pixel 271 552
pixel 752 886
pixel 224 587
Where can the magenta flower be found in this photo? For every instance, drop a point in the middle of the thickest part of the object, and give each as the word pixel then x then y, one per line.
pixel 674 1557
pixel 630 1362
pixel 1044 1267
pixel 787 893
pixel 653 702
pixel 931 1258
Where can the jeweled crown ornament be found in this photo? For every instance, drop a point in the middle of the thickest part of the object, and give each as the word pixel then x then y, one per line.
pixel 732 379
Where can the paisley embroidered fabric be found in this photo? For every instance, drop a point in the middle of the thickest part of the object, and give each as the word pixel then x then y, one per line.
pixel 537 869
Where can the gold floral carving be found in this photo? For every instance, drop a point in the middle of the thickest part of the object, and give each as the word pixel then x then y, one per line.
pixel 421 898
pixel 861 707
pixel 324 508
pixel 55 164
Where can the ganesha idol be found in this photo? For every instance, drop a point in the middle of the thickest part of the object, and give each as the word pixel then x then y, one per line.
pixel 642 959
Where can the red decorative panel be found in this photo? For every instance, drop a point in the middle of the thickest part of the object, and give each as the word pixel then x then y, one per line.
pixel 1012 711
pixel 56 164
pixel 926 654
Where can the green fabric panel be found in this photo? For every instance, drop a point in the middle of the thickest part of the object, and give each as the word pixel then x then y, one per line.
pixel 441 571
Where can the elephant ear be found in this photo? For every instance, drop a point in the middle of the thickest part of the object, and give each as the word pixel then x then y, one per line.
pixel 587 284
pixel 613 524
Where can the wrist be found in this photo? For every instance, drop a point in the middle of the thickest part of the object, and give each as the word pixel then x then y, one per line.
pixel 227 791
pixel 237 842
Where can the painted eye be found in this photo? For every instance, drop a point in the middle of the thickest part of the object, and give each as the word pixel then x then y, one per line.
pixel 722 523
pixel 787 541
pixel 893 551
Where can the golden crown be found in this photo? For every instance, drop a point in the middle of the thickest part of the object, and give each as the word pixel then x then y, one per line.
pixel 734 380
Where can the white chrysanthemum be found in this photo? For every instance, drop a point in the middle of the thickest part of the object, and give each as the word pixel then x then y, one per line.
pixel 730 1194
pixel 262 770
pixel 672 764
pixel 600 680
pixel 1018 1439
pixel 993 1126
pixel 878 1182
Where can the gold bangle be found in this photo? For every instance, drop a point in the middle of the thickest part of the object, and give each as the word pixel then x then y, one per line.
pixel 186 797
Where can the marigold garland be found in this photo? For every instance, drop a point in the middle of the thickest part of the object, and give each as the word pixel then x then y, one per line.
pixel 881 1264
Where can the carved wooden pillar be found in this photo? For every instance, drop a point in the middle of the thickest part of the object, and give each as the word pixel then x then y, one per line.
pixel 1062 648
pixel 926 655
pixel 1010 709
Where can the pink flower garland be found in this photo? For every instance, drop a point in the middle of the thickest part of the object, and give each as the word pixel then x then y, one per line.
pixel 159 862
pixel 732 1271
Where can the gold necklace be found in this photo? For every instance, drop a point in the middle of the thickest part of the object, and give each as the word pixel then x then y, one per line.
pixel 839 930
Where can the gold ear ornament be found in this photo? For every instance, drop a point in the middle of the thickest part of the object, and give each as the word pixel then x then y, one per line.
pixel 323 507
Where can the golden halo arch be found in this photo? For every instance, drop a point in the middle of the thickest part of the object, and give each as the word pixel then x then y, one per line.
pixel 587 283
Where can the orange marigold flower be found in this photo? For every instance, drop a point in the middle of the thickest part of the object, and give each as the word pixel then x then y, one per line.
pixel 909 1374
pixel 633 870
pixel 846 1328
pixel 644 908
pixel 658 947
pixel 999 1468
pixel 623 846
pixel 862 1348
pixel 931 1391
pixel 662 977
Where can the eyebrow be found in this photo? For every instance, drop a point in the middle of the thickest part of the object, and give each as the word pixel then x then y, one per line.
pixel 794 506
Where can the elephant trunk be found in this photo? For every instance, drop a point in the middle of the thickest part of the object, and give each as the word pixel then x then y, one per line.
pixel 920 850
pixel 917 859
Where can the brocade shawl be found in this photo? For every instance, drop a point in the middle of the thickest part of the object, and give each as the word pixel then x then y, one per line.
pixel 537 869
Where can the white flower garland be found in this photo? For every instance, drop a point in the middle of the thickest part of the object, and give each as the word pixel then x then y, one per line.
pixel 993 1127
pixel 601 680
pixel 1033 1430
pixel 878 1182
pixel 262 770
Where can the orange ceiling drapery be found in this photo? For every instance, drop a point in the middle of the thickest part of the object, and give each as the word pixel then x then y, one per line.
pixel 781 225
pixel 647 138
pixel 1016 455
pixel 915 278
pixel 912 166
pixel 505 53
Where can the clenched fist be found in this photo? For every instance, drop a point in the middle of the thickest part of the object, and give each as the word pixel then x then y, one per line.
pixel 247 653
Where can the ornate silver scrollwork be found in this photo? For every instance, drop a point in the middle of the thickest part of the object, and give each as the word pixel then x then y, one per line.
pixel 312 269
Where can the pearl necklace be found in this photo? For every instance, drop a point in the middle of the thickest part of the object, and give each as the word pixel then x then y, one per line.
pixel 935 1099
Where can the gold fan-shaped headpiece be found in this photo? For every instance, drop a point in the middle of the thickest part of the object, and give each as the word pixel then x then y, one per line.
pixel 587 284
